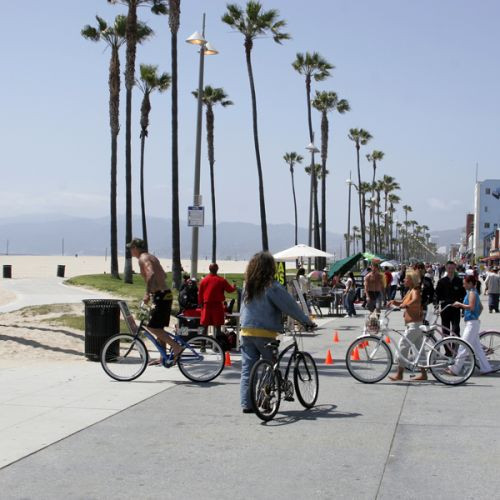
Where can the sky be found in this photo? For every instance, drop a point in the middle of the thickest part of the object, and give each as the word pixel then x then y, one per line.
pixel 422 77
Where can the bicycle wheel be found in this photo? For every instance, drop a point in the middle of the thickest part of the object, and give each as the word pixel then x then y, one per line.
pixel 490 341
pixel 305 379
pixel 265 391
pixel 124 357
pixel 369 359
pixel 202 359
pixel 452 361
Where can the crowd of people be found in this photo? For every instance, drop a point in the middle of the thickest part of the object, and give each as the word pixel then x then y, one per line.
pixel 264 302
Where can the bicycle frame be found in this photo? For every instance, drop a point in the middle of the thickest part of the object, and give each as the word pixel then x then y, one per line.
pixel 386 331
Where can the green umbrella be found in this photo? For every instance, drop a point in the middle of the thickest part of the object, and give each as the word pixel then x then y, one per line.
pixel 343 265
pixel 370 256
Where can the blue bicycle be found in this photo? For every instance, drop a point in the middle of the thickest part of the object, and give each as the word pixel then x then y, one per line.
pixel 124 356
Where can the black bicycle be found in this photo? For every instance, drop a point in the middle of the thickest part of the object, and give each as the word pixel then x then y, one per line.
pixel 268 382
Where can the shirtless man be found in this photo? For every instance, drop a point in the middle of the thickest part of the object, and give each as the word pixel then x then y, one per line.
pixel 374 288
pixel 157 291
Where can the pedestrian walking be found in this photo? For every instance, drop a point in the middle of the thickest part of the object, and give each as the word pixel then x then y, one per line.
pixel 492 288
pixel 472 306
pixel 264 301
pixel 374 288
pixel 450 289
pixel 349 295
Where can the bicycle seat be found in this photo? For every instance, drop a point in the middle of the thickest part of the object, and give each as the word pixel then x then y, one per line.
pixel 427 329
pixel 274 344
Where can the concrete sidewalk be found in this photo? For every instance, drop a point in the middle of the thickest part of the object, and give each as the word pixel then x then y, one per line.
pixel 39 291
pixel 388 440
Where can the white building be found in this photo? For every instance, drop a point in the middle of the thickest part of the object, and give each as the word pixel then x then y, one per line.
pixel 486 213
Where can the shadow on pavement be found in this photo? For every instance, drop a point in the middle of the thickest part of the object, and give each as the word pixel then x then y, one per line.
pixel 39 345
pixel 318 412
pixel 42 329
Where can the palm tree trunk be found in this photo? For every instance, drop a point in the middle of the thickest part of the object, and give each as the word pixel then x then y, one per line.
pixel 143 207
pixel 361 210
pixel 262 203
pixel 294 205
pixel 174 15
pixel 324 153
pixel 211 161
pixel 129 84
pixel 114 107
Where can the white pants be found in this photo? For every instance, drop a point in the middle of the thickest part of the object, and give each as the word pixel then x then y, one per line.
pixel 414 335
pixel 471 335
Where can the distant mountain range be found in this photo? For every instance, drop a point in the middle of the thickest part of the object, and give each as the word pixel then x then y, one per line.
pixel 51 234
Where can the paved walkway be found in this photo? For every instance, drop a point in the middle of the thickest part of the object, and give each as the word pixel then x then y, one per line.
pixel 385 441
pixel 38 291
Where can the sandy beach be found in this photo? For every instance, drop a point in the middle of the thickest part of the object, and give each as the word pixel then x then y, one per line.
pixel 37 266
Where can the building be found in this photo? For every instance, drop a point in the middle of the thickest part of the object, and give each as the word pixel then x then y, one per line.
pixel 486 215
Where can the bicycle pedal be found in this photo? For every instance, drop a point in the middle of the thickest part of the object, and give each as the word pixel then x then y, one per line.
pixel 289 398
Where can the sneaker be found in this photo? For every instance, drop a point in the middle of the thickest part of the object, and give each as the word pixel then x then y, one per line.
pixel 346 316
pixel 247 410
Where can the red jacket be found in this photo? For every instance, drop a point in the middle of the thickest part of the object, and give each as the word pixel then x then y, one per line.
pixel 211 297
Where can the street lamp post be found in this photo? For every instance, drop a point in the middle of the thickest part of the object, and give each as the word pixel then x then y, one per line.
pixel 205 49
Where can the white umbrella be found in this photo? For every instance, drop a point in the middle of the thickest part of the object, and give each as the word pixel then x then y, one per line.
pixel 300 251
pixel 389 263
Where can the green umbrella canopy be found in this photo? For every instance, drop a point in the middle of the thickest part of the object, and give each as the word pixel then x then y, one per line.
pixel 370 256
pixel 343 265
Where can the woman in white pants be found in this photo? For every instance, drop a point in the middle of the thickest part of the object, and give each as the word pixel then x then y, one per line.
pixel 472 307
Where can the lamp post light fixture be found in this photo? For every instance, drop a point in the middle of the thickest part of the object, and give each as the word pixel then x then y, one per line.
pixel 205 49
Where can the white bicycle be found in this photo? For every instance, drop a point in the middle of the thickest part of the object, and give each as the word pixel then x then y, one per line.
pixel 369 358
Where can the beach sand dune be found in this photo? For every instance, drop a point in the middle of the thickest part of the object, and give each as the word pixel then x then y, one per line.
pixel 28 336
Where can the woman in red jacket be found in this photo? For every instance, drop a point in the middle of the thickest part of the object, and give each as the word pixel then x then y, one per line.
pixel 211 299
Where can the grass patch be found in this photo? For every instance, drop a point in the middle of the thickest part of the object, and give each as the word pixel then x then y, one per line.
pixel 45 309
pixel 106 283
pixel 77 322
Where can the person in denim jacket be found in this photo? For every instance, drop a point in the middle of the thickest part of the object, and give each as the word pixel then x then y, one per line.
pixel 264 301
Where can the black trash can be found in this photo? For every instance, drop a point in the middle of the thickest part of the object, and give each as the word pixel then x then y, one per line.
pixel 102 320
pixel 60 271
pixel 7 271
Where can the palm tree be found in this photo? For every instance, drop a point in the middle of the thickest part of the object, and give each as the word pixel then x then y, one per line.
pixel 364 189
pixel 148 82
pixel 360 137
pixel 407 209
pixel 174 14
pixel 389 185
pixel 355 236
pixel 254 22
pixel 210 97
pixel 291 159
pixel 312 66
pixel 393 199
pixel 158 7
pixel 114 37
pixel 373 158
pixel 325 102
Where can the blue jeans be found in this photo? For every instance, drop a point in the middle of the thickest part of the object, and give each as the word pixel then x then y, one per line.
pixel 252 348
pixel 349 304
pixel 493 301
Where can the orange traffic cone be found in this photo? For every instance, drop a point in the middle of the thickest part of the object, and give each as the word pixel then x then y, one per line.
pixel 388 340
pixel 227 360
pixel 336 337
pixel 329 359
pixel 355 354
pixel 363 344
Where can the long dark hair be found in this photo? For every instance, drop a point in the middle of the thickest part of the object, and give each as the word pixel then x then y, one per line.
pixel 259 275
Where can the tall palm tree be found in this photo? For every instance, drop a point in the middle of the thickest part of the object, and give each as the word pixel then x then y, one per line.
pixel 291 159
pixel 393 199
pixel 360 137
pixel 325 102
pixel 373 158
pixel 158 7
pixel 255 22
pixel 355 236
pixel 210 97
pixel 174 15
pixel 114 37
pixel 312 66
pixel 389 185
pixel 149 82
pixel 407 209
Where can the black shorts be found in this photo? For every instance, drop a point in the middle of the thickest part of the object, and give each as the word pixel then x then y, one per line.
pixel 160 316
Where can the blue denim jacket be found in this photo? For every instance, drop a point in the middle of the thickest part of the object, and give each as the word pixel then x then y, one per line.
pixel 265 311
